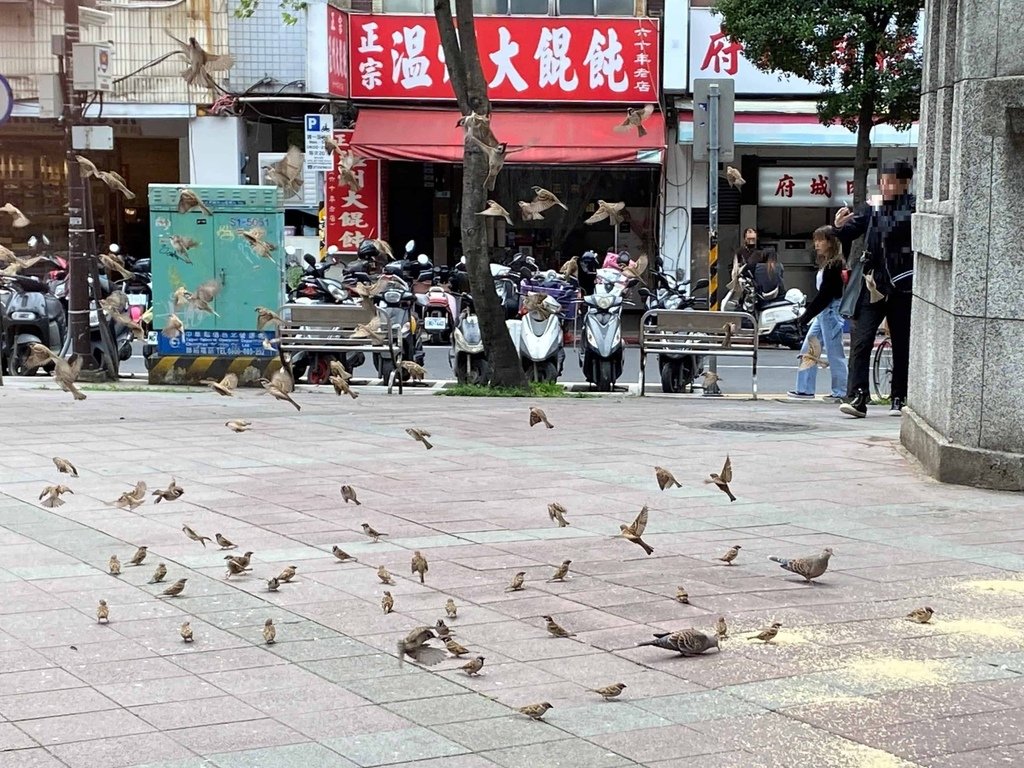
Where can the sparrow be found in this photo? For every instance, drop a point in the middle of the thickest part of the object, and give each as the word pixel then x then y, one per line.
pixel 421 435
pixel 921 615
pixel 767 635
pixel 729 329
pixel 557 630
pixel 201 62
pixel 175 589
pixel 687 642
pixel 384 575
pixel 609 692
pixel 40 355
pixel 535 711
pixel 195 536
pixel 187 200
pixel 537 416
pixel 205 293
pixel 473 666
pixel 129 500
pixel 557 513
pixel 636 270
pixel 116 182
pixel 269 632
pixel 65 374
pixel 734 177
pixel 138 332
pixel 265 317
pixel 287 574
pixel 442 630
pixel 635 118
pixel 348 162
pixel 635 530
pixel 341 554
pixel 419 564
pixel 255 237
pixel 53 495
pixel 114 566
pixel 734 276
pixel 171 493
pixel 454 648
pixel 528 212
pixel 235 569
pixel 610 211
pixel 273 584
pixel 561 571
pixel 665 478
pixel 571 268
pixel 370 330
pixel 277 393
pixel 387 602
pixel 495 160
pixel 723 478
pixel 517 582
pixel 186 632
pixel 341 386
pixel 158 574
pixel 451 609
pixel 337 369
pixel 495 209
pixel 732 554
pixel 348 493
pixel 546 198
pixel 242 559
pixel 473 122
pixel 113 263
pixel 373 534
pixel 283 380
pixel 174 327
pixel 416 371
pixel 874 295
pixel 682 596
pixel 103 613
pixel 238 425
pixel 415 646
pixel 181 245
pixel 18 219
pixel 812 356
pixel 541 304
pixel 710 379
pixel 224 543
pixel 139 556
pixel 721 628
pixel 286 173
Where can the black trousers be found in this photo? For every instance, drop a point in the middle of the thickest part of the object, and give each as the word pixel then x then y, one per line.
pixel 866 320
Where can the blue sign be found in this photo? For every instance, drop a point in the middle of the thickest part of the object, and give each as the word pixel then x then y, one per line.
pixel 217 344
pixel 6 100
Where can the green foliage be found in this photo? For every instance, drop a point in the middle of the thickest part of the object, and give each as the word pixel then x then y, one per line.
pixel 536 389
pixel 290 9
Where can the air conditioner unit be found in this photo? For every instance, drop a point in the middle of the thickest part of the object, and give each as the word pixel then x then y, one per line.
pixel 308 195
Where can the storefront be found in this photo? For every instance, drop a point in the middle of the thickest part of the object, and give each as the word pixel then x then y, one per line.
pixel 559 86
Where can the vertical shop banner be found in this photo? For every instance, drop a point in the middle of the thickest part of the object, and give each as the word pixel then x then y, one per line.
pixel 337 52
pixel 353 215
pixel 542 59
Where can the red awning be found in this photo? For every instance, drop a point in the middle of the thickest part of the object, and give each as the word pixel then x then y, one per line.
pixel 552 138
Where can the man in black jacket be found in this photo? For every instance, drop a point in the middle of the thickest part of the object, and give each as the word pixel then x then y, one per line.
pixel 888 259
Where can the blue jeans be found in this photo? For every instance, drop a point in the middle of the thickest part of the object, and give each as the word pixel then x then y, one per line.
pixel 828 326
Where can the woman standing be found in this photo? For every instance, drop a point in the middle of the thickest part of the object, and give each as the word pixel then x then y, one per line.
pixel 825 322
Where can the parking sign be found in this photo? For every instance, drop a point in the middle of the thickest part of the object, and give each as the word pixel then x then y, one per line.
pixel 318 127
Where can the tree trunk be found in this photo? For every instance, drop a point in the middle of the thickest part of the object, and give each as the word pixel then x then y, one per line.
pixel 865 122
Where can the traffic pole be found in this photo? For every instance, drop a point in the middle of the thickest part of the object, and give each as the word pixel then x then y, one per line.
pixel 711 389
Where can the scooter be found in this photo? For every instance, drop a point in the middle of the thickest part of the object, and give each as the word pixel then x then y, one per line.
pixel 601 347
pixel 467 355
pixel 778 320
pixel 540 341
pixel 396 303
pixel 677 371
pixel 33 315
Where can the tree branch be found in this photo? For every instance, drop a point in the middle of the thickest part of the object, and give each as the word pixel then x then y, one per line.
pixel 453 58
pixel 477 86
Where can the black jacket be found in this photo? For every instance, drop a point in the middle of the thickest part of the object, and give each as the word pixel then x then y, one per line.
pixel 886 232
pixel 832 286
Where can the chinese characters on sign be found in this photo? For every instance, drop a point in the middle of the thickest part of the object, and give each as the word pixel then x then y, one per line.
pixel 351 215
pixel 217 343
pixel 337 52
pixel 805 187
pixel 524 59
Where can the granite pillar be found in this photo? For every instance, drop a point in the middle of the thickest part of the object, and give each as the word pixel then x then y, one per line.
pixel 965 419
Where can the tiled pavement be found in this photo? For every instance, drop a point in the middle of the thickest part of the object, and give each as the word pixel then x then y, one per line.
pixel 849 683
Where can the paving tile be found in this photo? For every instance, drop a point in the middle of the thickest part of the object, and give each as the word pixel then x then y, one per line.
pixel 110 723
pixel 388 747
pixel 403 688
pixel 28 706
pixel 289 756
pixel 660 743
pixel 499 732
pixel 13 738
pixel 193 712
pixel 228 737
pixel 465 708
pixel 120 752
pixel 33 757
pixel 558 754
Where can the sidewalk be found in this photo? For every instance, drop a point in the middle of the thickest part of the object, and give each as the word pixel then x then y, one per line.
pixel 848 684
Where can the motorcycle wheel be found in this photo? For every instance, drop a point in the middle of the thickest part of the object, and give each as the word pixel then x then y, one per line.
pixel 385 370
pixel 320 370
pixel 16 363
pixel 671 378
pixel 547 372
pixel 603 376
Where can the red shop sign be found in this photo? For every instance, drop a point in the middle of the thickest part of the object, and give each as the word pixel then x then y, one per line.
pixel 337 52
pixel 524 58
pixel 352 216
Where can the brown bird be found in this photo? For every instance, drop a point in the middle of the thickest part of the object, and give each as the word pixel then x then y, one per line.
pixel 127 499
pixel 687 642
pixel 874 295
pixel 921 615
pixel 174 327
pixel 454 648
pixel 346 166
pixel 812 356
pixel 723 478
pixel 223 542
pixel 682 596
pixel 139 556
pixel 561 571
pixel 665 478
pixel 384 575
pixel 39 354
pixel 242 559
pixel 287 574
pixel 419 564
pixel 195 536
pixel 201 63
pixel 610 211
pixel 635 118
pixel 541 304
pixel 159 574
pixel 273 584
pixel 186 632
pixel 370 330
pixel 256 239
pixel 451 609
pixel 537 416
pixel 238 425
pixel 387 602
pixel 421 435
pixel 415 646
pixel 542 200
pixel 473 666
pixel 181 245
pixel 571 268
pixel 205 293
pixel 416 371
pixel 710 379
pixel 235 568
pixel 609 692
pixel 116 182
pixel 734 177
pixel 170 493
pixel 767 635
pixel 528 212
pixel 269 632
pixel 282 379
pixel 265 317
pixel 473 123
pixel 65 374
pixel 732 554
pixel 635 530
pixel 337 369
pixel 517 582
pixel 53 495
pixel 175 589
pixel 636 271
pixel 495 160
pixel 557 512
pixel 494 209
pixel 556 629
pixel 114 566
pixel 18 219
pixel 535 711
pixel 341 386
pixel 277 393
pixel 103 613
pixel 286 173
pixel 372 533
pixel 442 630
pixel 721 628
pixel 348 493
pixel 729 329
pixel 341 554
pixel 113 263
pixel 122 319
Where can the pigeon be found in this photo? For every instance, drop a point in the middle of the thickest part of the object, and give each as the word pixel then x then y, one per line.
pixel 734 177
pixel 812 356
pixel 610 692
pixel 732 554
pixel 610 211
pixel 415 646
pixel 473 666
pixel 635 530
pixel 635 118
pixel 18 219
pixel 495 209
pixel 687 642
pixel 421 435
pixel 201 63
pixel 535 711
pixel 767 635
pixel 348 493
pixel 808 567
pixel 665 478
pixel 537 416
pixel 723 478
pixel 921 615
pixel 557 513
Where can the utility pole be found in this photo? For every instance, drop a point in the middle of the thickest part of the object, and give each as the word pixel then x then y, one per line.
pixel 712 389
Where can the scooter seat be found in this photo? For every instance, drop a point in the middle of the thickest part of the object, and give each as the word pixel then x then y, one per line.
pixel 775 303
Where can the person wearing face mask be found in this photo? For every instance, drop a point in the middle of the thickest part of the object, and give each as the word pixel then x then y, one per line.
pixel 888 261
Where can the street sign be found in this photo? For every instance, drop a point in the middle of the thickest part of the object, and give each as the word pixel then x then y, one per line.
pixel 6 100
pixel 318 127
pixel 726 118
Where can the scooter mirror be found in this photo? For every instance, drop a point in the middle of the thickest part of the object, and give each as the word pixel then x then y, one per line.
pixel 645 293
pixel 410 247
pixel 46 240
pixel 114 248
pixel 309 259
pixel 702 283
pixel 32 241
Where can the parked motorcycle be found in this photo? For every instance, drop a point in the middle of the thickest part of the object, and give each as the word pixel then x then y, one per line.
pixel 678 371
pixel 778 319
pixel 467 355
pixel 32 315
pixel 396 303
pixel 601 346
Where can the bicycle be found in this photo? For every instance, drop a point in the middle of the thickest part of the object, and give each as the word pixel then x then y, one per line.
pixel 881 367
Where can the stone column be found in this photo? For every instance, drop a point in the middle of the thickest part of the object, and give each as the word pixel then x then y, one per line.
pixel 965 420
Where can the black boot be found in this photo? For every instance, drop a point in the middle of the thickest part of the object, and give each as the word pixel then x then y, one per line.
pixel 896 409
pixel 858 406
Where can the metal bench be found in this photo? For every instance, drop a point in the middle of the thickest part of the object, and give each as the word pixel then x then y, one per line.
pixel 328 328
pixel 684 331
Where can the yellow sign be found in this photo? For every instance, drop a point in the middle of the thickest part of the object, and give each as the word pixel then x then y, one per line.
pixel 322 229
